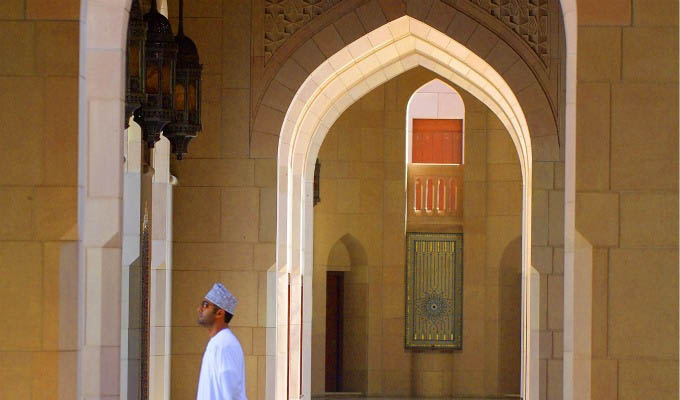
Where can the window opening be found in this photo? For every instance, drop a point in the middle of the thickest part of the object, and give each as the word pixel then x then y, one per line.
pixel 435 155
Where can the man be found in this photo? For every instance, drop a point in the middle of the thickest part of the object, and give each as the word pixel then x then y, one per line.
pixel 223 374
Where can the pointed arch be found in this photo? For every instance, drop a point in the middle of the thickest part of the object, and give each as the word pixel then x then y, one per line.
pixel 420 105
pixel 337 83
pixel 349 250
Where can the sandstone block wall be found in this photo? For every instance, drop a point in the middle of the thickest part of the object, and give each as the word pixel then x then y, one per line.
pixel 38 198
pixel 225 204
pixel 627 192
pixel 627 200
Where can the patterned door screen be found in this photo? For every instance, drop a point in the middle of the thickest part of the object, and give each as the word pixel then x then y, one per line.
pixel 434 287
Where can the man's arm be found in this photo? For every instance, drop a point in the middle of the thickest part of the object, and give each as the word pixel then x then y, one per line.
pixel 231 379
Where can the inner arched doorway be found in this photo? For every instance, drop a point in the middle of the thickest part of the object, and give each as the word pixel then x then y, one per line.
pixel 362 192
pixel 344 78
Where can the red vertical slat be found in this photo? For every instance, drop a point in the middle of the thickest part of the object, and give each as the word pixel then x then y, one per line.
pixel 417 155
pixel 441 195
pixel 418 194
pixel 454 195
pixel 457 147
pixel 429 194
pixel 428 154
pixel 437 151
pixel 447 147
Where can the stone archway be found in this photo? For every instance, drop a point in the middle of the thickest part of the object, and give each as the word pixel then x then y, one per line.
pixel 292 79
pixel 347 258
pixel 344 78
pixel 100 204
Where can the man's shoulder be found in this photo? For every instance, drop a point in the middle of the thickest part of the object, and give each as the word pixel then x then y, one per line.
pixel 226 350
pixel 226 338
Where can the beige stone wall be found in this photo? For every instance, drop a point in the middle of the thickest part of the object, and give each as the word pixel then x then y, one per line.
pixel 362 186
pixel 38 198
pixel 627 192
pixel 547 257
pixel 224 205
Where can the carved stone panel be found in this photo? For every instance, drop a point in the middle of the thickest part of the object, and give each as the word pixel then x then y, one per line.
pixel 282 18
pixel 527 18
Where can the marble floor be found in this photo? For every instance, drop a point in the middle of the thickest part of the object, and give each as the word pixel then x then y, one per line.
pixel 345 396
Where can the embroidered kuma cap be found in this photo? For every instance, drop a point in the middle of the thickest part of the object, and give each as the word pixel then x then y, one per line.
pixel 222 298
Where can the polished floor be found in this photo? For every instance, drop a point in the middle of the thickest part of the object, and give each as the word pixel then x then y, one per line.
pixel 345 396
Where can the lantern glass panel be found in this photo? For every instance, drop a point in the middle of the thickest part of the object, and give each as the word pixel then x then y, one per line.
pixel 179 96
pixel 167 78
pixel 192 97
pixel 152 77
pixel 133 60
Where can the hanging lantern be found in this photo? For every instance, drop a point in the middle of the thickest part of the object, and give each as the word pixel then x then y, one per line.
pixel 160 54
pixel 187 101
pixel 134 62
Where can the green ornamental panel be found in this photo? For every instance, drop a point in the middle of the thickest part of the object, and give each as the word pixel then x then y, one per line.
pixel 434 291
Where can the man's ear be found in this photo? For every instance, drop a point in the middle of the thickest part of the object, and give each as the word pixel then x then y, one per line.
pixel 220 311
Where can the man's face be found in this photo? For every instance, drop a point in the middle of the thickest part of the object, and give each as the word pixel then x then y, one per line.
pixel 206 313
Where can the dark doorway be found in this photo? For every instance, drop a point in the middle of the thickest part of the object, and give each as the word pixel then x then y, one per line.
pixel 334 307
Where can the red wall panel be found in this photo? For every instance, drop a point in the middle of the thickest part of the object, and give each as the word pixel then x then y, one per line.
pixel 437 141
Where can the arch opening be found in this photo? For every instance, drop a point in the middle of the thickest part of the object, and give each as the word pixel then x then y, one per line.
pixel 435 153
pixel 337 83
pixel 435 100
pixel 339 337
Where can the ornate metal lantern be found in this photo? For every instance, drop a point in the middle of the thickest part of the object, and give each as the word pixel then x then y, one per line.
pixel 187 101
pixel 160 55
pixel 134 65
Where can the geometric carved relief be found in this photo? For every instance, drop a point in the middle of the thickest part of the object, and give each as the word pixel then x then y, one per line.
pixel 434 291
pixel 527 18
pixel 282 18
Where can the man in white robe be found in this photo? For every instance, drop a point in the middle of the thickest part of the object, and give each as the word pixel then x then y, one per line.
pixel 223 375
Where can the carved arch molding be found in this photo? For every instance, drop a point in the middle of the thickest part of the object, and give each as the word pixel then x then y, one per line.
pixel 528 19
pixel 531 29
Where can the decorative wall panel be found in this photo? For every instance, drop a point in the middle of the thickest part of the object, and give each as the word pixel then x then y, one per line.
pixel 434 290
pixel 529 19
pixel 282 18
